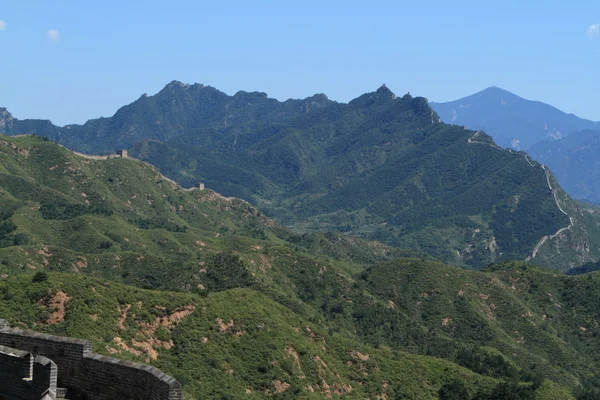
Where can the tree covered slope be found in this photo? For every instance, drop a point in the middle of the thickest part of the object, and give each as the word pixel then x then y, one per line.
pixel 380 167
pixel 406 329
pixel 574 160
pixel 215 293
pixel 122 220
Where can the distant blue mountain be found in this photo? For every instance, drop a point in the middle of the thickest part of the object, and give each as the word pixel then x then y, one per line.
pixel 511 120
pixel 575 161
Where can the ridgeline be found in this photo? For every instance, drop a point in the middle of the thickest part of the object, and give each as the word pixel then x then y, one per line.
pixel 219 296
pixel 381 167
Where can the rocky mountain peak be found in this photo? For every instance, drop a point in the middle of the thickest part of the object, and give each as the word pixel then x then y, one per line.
pixel 385 91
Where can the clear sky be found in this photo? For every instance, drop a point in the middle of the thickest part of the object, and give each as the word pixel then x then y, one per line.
pixel 71 60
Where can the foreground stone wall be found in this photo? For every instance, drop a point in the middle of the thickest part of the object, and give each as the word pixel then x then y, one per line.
pixel 90 376
pixel 24 376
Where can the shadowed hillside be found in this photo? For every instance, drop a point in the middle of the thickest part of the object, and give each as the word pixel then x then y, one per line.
pixel 575 162
pixel 380 167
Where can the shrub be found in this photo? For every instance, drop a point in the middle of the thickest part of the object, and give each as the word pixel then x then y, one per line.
pixel 40 276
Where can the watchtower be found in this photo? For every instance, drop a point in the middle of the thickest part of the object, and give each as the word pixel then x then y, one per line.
pixel 122 153
pixel 201 186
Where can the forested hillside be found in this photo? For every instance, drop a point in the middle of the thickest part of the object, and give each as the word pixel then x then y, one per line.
pixel 406 329
pixel 233 305
pixel 574 160
pixel 380 167
pixel 121 219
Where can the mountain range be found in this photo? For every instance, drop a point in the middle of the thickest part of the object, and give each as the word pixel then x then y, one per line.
pixel 512 121
pixel 565 143
pixel 575 161
pixel 381 167
pixel 213 292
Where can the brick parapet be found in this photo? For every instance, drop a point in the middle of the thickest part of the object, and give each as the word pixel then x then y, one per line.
pixel 45 374
pixel 25 377
pixel 84 372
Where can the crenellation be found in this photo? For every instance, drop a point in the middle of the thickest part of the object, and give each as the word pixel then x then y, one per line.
pixel 25 376
pixel 85 374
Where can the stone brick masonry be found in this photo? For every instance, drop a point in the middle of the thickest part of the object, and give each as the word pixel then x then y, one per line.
pixel 24 376
pixel 84 374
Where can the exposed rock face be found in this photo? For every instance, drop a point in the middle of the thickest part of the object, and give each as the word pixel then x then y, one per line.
pixel 5 118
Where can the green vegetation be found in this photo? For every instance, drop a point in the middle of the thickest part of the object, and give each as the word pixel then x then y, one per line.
pixel 213 292
pixel 121 220
pixel 239 339
pixel 573 160
pixel 380 167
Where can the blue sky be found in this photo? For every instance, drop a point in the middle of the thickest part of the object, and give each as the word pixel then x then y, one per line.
pixel 72 60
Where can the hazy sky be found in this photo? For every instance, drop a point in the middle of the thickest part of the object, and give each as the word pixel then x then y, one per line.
pixel 72 60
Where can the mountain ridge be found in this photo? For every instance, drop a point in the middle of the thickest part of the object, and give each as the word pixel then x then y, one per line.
pixel 511 120
pixel 215 293
pixel 575 162
pixel 380 167
pixel 568 150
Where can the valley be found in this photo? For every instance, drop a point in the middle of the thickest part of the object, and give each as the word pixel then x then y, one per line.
pixel 343 316
pixel 299 200
pixel 380 167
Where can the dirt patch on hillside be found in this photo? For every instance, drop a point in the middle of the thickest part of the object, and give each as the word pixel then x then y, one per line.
pixel 81 262
pixel 359 356
pixel 166 321
pixel 121 343
pixel 124 311
pixel 177 316
pixel 150 344
pixel 280 387
pixel 224 326
pixel 384 389
pixel 228 327
pixel 19 150
pixel 45 253
pixel 338 388
pixel 57 303
pixel 291 352
pixel 145 340
pixel 294 354
pixel 147 347
pixel 265 264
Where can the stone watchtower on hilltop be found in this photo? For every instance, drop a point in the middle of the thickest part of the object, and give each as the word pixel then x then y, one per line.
pixel 122 153
pixel 46 367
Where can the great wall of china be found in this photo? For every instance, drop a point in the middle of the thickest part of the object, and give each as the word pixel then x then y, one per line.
pixel 124 154
pixel 38 366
